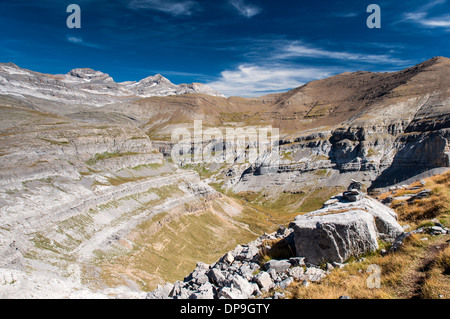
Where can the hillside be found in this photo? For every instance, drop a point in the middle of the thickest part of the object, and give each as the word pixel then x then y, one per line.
pixel 351 248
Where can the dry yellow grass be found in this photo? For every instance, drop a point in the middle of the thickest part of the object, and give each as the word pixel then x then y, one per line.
pixel 355 279
pixel 420 269
pixel 437 283
pixel 417 211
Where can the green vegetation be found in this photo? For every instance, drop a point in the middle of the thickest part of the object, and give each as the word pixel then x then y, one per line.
pixel 286 156
pixel 315 199
pixel 61 143
pixel 371 152
pixel 151 166
pixel 42 242
pixel 282 208
pixel 200 169
pixel 322 172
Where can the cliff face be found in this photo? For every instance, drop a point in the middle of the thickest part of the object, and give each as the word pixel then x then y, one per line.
pixel 75 195
pixel 381 128
pixel 94 186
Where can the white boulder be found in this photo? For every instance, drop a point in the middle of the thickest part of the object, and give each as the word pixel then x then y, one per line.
pixel 343 229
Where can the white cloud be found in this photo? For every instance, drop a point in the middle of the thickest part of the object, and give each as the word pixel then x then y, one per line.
pixel 257 80
pixel 172 7
pixel 445 23
pixel 75 40
pixel 422 19
pixel 247 10
pixel 298 49
pixel 345 14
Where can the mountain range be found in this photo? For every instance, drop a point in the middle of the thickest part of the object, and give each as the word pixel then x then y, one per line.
pixel 89 87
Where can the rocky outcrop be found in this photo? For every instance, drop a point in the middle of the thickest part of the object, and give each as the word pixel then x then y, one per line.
pixel 240 275
pixel 353 192
pixel 343 228
pixel 389 126
pixel 331 235
pixel 335 238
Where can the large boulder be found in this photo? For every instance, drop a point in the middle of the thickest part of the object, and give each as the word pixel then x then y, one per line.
pixel 279 266
pixel 343 229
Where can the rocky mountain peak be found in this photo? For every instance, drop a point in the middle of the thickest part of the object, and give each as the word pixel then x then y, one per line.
pixel 440 59
pixel 86 86
pixel 9 64
pixel 89 74
pixel 432 64
pixel 155 79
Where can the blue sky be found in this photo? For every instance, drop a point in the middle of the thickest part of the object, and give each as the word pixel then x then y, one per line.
pixel 239 47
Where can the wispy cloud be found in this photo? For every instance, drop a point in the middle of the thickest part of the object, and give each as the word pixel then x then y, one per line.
pixel 424 18
pixel 80 41
pixel 345 14
pixel 172 7
pixel 298 49
pixel 247 10
pixel 283 65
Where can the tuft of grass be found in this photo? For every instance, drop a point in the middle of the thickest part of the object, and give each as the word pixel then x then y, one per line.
pixel 443 260
pixel 437 281
pixel 60 143
pixel 107 155
pixel 428 208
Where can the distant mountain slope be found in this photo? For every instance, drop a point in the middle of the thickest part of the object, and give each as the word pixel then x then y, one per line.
pixel 361 98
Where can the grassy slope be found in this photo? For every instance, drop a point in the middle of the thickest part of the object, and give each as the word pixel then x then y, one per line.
pixel 168 247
